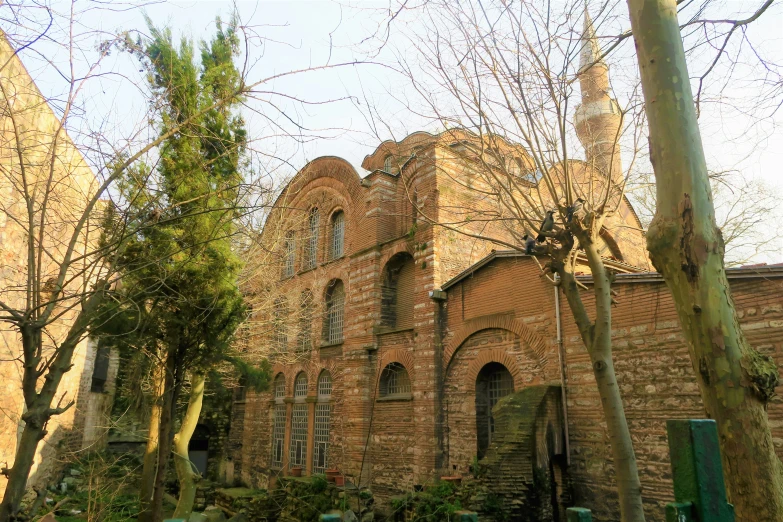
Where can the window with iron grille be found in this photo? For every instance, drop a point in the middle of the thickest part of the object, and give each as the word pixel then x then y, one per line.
pixel 290 254
pixel 335 304
pixel 279 387
pixel 278 436
pixel 394 381
pixel 323 413
pixel 279 323
pixel 297 455
pixel 312 239
pixel 338 234
pixel 492 384
pixel 300 386
pixel 304 340
pixel 324 385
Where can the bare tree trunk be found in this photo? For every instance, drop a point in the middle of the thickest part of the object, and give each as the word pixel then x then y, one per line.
pixel 687 248
pixel 165 439
pixel 597 338
pixel 185 472
pixel 153 441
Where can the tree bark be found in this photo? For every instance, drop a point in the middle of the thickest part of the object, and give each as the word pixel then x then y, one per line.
pixel 149 468
pixel 597 338
pixel 686 246
pixel 187 476
pixel 168 408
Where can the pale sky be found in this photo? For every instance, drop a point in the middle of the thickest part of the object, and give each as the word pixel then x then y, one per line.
pixel 298 34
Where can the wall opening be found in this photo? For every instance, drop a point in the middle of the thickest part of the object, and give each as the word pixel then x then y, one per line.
pixel 494 382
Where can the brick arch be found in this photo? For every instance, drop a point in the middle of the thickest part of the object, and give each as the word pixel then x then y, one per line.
pixel 401 356
pixel 535 346
pixel 399 248
pixel 493 356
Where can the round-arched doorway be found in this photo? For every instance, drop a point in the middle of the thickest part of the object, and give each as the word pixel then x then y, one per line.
pixel 493 382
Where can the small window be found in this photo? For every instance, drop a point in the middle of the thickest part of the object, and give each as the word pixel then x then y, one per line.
pixel 388 164
pixel 278 428
pixel 335 304
pixel 311 258
pixel 395 381
pixel 280 316
pixel 100 372
pixel 324 384
pixel 304 341
pixel 300 386
pixel 289 265
pixel 494 382
pixel 323 413
pixel 397 292
pixel 240 390
pixel 297 454
pixel 338 234
pixel 279 387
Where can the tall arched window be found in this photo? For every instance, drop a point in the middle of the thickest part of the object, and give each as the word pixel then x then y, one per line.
pixel 494 382
pixel 297 456
pixel 338 235
pixel 304 341
pixel 397 292
pixel 335 307
pixel 311 253
pixel 289 264
pixel 394 382
pixel 280 316
pixel 323 413
pixel 388 164
pixel 278 429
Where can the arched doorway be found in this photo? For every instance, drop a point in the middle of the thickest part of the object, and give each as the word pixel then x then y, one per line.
pixel 494 382
pixel 198 449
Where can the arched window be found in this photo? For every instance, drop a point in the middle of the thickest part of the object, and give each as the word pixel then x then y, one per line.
pixel 289 265
pixel 338 234
pixel 297 455
pixel 311 253
pixel 395 381
pixel 493 383
pixel 388 164
pixel 397 292
pixel 280 316
pixel 304 342
pixel 335 305
pixel 278 429
pixel 323 413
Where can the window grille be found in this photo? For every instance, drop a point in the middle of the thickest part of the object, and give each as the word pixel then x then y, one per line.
pixel 493 383
pixel 279 323
pixel 298 452
pixel 335 304
pixel 300 386
pixel 290 254
pixel 304 341
pixel 338 234
pixel 278 436
pixel 324 385
pixel 312 240
pixel 100 372
pixel 395 381
pixel 323 412
pixel 279 387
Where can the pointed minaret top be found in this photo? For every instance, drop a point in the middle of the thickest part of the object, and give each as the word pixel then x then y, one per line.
pixel 590 50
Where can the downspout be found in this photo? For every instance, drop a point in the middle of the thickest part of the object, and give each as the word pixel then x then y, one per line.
pixel 561 360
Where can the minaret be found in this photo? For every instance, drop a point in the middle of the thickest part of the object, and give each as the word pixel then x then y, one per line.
pixel 597 119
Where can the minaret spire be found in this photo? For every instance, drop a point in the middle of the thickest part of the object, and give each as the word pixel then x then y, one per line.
pixel 597 118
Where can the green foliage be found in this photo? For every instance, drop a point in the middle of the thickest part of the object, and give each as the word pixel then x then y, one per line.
pixel 256 377
pixel 436 503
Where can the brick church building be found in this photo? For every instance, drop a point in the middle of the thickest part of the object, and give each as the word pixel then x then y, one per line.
pixel 393 337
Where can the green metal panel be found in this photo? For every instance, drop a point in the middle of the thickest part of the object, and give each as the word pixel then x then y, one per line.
pixel 466 516
pixel 697 470
pixel 577 514
pixel 331 517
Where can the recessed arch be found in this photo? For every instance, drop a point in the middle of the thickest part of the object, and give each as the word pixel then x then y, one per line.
pixel 397 291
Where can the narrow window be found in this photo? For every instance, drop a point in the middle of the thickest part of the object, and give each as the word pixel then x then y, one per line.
pixel 395 381
pixel 338 234
pixel 397 292
pixel 297 455
pixel 335 304
pixel 304 341
pixel 100 371
pixel 312 239
pixel 290 254
pixel 280 316
pixel 388 164
pixel 493 383
pixel 323 413
pixel 278 430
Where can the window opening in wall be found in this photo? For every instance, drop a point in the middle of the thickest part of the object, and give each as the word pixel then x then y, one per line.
pixel 312 240
pixel 397 292
pixel 395 381
pixel 290 254
pixel 304 340
pixel 335 307
pixel 297 455
pixel 280 315
pixel 338 234
pixel 323 413
pixel 100 371
pixel 388 164
pixel 240 390
pixel 278 429
pixel 494 382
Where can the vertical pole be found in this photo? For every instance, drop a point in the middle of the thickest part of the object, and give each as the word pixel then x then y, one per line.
pixel 697 470
pixel 310 435
pixel 287 440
